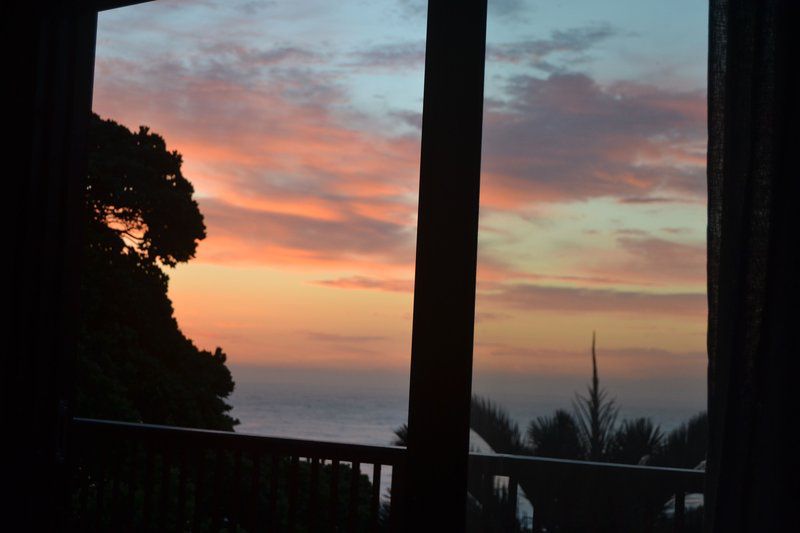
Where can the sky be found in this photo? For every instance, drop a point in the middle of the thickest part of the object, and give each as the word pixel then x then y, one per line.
pixel 299 126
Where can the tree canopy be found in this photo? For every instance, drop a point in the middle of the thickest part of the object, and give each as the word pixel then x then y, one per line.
pixel 133 361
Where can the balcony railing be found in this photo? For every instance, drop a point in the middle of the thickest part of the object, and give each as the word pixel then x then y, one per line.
pixel 139 477
pixel 581 495
pixel 148 477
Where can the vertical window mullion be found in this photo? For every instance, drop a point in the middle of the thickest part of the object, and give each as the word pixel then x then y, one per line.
pixel 444 291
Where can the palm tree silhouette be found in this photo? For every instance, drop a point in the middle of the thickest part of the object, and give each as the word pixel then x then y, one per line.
pixel 589 432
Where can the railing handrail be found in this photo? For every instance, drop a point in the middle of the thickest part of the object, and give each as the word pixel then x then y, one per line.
pixel 186 449
pixel 364 453
pixel 497 464
pixel 520 466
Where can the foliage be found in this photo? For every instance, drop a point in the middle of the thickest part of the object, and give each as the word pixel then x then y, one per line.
pixel 138 201
pixel 401 436
pixel 635 442
pixel 133 362
pixel 556 436
pixel 489 421
pixel 686 445
pixel 205 490
pixel 590 432
pixel 596 415
pixel 494 426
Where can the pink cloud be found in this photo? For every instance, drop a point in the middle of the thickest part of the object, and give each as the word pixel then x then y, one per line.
pixel 289 174
pixel 367 283
pixel 530 297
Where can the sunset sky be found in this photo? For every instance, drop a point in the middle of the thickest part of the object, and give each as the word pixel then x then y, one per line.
pixel 299 123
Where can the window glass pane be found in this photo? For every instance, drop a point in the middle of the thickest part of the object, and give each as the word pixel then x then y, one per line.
pixel 592 222
pixel 298 127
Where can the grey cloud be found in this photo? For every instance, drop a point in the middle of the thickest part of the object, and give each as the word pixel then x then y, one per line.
pixel 584 300
pixel 254 57
pixel 661 259
pixel 566 137
pixel 572 44
pixel 391 56
pixel 648 200
pixel 638 353
pixel 676 231
pixel 500 8
pixel 411 119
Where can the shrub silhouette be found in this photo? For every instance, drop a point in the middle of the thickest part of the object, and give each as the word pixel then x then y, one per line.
pixel 556 436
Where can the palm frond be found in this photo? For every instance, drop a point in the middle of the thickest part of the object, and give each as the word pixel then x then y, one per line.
pixel 495 426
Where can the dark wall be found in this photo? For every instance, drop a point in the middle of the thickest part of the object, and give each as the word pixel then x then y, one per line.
pixel 47 59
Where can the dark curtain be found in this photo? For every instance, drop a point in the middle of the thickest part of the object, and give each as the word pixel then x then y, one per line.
pixel 753 264
pixel 47 57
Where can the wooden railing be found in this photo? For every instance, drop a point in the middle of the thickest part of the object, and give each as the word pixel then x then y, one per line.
pixel 570 495
pixel 141 477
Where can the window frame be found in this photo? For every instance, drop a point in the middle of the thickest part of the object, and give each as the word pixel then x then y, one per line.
pixel 446 256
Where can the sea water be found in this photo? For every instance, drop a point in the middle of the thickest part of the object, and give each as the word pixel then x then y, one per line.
pixel 365 407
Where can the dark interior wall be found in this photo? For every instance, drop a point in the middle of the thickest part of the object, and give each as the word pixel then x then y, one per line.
pixel 48 59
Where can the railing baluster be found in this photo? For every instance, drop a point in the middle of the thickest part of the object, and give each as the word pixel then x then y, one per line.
pixel 255 492
pixel 334 503
pixel 216 515
pixel 649 513
pixel 100 483
pixel 236 507
pixel 313 496
pixel 83 463
pixel 163 506
pixel 117 453
pixel 147 485
pixel 180 512
pixel 396 508
pixel 680 511
pixel 273 493
pixel 133 484
pixel 355 476
pixel 295 465
pixel 486 497
pixel 375 502
pixel 199 490
pixel 512 499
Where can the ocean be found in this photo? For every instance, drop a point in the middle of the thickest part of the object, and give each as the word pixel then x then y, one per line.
pixel 366 407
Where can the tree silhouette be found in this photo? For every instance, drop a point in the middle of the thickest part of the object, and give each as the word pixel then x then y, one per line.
pixel 133 362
